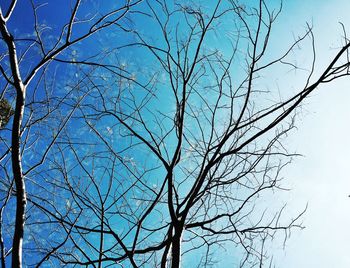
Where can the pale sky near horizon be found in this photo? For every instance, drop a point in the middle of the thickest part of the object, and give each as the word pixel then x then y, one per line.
pixel 321 177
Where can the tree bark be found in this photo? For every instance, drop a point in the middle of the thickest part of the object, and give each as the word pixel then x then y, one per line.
pixel 176 247
pixel 21 198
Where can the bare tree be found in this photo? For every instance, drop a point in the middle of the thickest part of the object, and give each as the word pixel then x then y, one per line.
pixel 161 146
pixel 29 85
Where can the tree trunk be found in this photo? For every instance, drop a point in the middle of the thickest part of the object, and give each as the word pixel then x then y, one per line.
pixel 176 248
pixel 21 198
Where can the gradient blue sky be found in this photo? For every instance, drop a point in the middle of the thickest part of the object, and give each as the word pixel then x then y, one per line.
pixel 320 178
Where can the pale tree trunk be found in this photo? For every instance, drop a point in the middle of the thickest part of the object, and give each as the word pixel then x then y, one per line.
pixel 176 247
pixel 18 177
